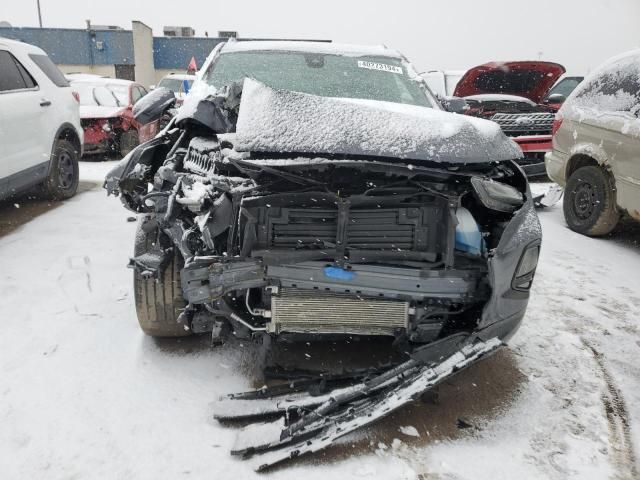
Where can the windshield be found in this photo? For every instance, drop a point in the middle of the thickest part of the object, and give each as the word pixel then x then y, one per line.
pixel 565 86
pixel 176 85
pixel 107 95
pixel 371 78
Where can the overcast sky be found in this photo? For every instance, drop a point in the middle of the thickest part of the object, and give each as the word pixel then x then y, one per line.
pixel 445 34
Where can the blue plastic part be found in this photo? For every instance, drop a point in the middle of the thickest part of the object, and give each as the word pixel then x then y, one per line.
pixel 339 273
pixel 468 236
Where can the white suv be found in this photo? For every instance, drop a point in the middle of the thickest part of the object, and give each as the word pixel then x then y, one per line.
pixel 40 133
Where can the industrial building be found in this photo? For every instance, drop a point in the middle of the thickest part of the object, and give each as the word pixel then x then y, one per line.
pixel 112 51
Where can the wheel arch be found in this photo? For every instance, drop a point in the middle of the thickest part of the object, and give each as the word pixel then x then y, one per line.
pixel 579 160
pixel 66 131
pixel 584 154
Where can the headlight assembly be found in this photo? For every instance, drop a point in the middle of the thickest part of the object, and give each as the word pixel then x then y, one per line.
pixel 496 195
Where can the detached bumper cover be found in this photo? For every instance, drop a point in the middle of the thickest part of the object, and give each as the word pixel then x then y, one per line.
pixel 322 419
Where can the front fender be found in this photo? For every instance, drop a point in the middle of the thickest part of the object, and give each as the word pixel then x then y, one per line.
pixel 129 178
pixel 505 303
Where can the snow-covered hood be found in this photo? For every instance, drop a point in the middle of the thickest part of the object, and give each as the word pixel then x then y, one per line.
pixel 96 111
pixel 497 97
pixel 531 80
pixel 281 121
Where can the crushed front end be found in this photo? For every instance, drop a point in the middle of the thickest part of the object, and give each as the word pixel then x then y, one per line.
pixel 312 247
pixel 273 244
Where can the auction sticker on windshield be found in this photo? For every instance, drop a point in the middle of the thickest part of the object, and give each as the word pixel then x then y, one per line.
pixel 379 66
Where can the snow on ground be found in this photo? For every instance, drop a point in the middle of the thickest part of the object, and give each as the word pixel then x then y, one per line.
pixel 84 394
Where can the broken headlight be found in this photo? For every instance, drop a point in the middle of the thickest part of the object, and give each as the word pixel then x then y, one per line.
pixel 523 278
pixel 497 196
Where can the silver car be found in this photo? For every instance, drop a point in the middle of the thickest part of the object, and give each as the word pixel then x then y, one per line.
pixel 596 147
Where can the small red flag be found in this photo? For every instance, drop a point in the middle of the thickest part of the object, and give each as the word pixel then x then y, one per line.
pixel 193 66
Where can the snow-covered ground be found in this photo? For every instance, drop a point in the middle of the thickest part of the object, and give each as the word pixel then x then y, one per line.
pixel 84 394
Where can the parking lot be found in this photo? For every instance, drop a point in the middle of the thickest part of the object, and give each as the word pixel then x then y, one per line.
pixel 85 394
pixel 260 241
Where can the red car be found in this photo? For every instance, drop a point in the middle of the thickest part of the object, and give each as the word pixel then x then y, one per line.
pixel 516 96
pixel 106 114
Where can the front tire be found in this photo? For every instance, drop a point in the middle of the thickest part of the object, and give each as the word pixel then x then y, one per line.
pixel 64 173
pixel 159 301
pixel 590 202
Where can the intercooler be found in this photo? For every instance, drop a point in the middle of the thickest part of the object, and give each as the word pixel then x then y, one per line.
pixel 316 311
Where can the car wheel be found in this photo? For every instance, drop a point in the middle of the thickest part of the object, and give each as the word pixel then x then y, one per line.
pixel 64 173
pixel 128 141
pixel 590 201
pixel 158 301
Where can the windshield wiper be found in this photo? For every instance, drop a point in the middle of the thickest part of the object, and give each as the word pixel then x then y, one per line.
pixel 95 98
pixel 115 97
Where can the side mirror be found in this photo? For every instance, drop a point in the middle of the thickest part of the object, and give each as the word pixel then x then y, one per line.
pixel 455 104
pixel 555 98
pixel 151 107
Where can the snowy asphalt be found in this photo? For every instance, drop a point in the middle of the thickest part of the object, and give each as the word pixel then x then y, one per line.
pixel 84 394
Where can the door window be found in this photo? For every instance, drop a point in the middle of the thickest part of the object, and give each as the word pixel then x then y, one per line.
pixel 13 76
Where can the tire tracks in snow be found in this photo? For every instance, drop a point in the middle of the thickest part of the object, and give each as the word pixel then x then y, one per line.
pixel 583 309
pixel 617 414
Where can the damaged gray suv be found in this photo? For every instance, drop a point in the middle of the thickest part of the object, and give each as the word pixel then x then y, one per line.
pixel 313 191
pixel 309 191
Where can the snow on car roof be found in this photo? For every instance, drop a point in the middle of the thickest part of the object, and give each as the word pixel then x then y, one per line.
pixel 328 48
pixel 596 92
pixel 617 58
pixel 17 44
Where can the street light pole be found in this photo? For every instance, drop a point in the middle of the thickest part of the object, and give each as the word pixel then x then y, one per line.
pixel 39 14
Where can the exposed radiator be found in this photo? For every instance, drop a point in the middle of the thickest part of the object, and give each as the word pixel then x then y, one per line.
pixel 315 311
pixel 382 229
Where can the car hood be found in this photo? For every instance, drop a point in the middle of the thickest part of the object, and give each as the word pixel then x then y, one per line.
pixel 498 97
pixel 285 122
pixel 531 80
pixel 97 111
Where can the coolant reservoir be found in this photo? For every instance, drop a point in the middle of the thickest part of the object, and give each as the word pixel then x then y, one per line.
pixel 468 236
